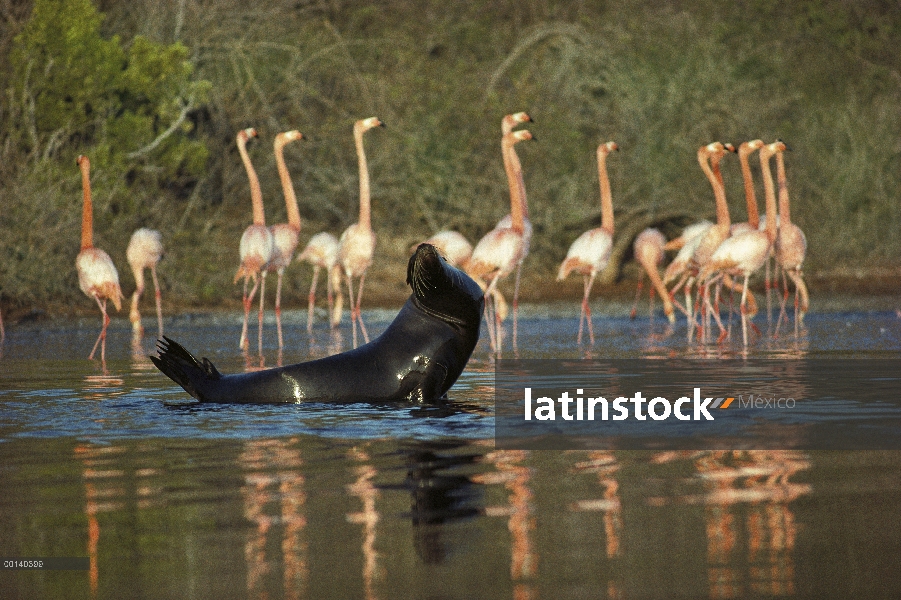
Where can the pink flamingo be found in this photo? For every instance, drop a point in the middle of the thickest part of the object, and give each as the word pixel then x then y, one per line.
pixel 648 249
pixel 709 158
pixel 357 244
pixel 285 236
pixel 791 245
pixel 257 245
pixel 498 253
pixel 97 275
pixel 746 252
pixel 590 252
pixel 322 252
pixel 513 168
pixel 145 249
pixel 686 243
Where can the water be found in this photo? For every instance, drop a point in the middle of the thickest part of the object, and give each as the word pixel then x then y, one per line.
pixel 167 498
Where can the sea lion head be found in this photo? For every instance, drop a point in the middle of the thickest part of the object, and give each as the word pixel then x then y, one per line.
pixel 443 291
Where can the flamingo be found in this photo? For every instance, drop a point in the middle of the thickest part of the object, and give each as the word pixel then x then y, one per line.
pixel 517 188
pixel 322 252
pixel 590 252
pixel 498 253
pixel 746 252
pixel 791 244
pixel 648 249
pixel 97 275
pixel 145 249
pixel 357 244
pixel 284 235
pixel 709 157
pixel 257 245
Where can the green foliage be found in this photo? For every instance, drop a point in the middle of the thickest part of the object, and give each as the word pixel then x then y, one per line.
pixel 82 93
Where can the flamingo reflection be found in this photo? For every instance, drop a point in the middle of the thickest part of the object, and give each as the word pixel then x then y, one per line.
pixel 274 500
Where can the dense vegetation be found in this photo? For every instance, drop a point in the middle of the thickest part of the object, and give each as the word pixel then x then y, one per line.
pixel 154 93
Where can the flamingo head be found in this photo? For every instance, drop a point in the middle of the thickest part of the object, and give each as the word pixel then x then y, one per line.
pixel 608 147
pixel 512 120
pixel 246 134
pixel 83 161
pixel 747 148
pixel 521 136
pixel 367 124
pixel 286 137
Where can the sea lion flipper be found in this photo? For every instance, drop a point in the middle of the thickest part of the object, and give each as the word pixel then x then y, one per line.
pixel 182 368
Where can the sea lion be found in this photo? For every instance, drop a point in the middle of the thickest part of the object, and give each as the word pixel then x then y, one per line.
pixel 417 359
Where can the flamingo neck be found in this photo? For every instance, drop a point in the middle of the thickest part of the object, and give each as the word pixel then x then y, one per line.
pixel 517 183
pixel 712 170
pixel 606 196
pixel 516 203
pixel 87 209
pixel 784 211
pixel 750 196
pixel 256 194
pixel 365 202
pixel 770 194
pixel 287 187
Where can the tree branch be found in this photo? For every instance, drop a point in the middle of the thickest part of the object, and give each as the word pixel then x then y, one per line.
pixel 161 137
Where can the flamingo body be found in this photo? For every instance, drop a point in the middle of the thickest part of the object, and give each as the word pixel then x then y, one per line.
pixel 145 249
pixel 322 252
pixel 648 249
pixel 256 249
pixel 97 276
pixel 453 246
pixel 588 255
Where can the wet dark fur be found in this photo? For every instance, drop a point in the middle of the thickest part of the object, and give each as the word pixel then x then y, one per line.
pixel 418 358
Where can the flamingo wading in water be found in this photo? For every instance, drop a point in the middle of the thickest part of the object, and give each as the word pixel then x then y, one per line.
pixel 285 236
pixel 648 249
pixel 791 247
pixel 590 252
pixel 145 249
pixel 357 244
pixel 322 252
pixel 257 245
pixel 97 275
pixel 499 252
pixel 746 252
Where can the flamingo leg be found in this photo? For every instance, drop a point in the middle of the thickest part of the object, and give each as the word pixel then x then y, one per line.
pixel 744 312
pixel 158 297
pixel 586 308
pixel 490 312
pixel 515 305
pixel 278 308
pixel 353 309
pixel 312 297
pixel 246 300
pixel 334 296
pixel 2 332
pixel 260 315
pixel 101 339
pixel 360 312
pixel 638 289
